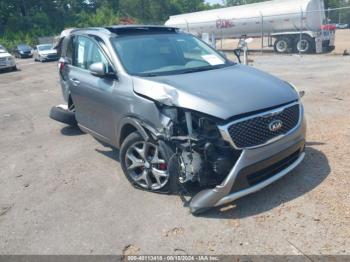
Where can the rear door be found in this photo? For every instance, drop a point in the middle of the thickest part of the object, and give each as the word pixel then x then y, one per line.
pixel 92 95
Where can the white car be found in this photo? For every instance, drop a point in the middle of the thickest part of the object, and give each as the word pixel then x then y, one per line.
pixel 342 26
pixel 7 61
pixel 45 52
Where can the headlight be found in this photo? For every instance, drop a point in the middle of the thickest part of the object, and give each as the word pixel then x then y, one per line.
pixel 300 93
pixel 169 111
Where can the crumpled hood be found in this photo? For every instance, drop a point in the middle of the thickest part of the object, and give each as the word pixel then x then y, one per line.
pixel 221 93
pixel 48 52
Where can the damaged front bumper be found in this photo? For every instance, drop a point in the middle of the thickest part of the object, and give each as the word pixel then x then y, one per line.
pixel 255 169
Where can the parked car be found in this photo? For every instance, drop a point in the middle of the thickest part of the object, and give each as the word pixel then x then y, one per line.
pixel 180 112
pixel 342 26
pixel 45 52
pixel 7 61
pixel 23 51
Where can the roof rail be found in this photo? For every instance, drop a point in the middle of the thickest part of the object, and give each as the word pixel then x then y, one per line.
pixel 126 29
pixel 101 29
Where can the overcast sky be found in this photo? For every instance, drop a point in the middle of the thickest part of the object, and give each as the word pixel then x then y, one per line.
pixel 214 1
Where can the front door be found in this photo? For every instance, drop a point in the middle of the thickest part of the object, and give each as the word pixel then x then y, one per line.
pixel 92 95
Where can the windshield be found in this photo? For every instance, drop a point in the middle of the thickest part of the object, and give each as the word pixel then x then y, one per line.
pixel 44 47
pixel 165 54
pixel 24 48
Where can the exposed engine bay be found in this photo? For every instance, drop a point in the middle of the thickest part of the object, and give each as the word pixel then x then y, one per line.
pixel 202 155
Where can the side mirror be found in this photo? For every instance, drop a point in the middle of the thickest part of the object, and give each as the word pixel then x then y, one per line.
pixel 98 69
pixel 238 52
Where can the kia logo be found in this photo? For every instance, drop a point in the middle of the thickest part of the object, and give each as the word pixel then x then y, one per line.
pixel 275 125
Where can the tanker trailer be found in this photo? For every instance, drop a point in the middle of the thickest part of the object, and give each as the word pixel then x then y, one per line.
pixel 290 25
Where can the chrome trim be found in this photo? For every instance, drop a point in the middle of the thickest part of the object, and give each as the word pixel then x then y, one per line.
pixel 227 137
pixel 263 184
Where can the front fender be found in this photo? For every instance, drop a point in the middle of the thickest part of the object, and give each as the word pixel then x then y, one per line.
pixel 136 124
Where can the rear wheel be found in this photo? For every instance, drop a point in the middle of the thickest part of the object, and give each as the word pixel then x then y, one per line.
pixel 146 164
pixel 282 45
pixel 305 45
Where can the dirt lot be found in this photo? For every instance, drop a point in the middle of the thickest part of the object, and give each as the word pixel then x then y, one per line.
pixel 342 42
pixel 63 193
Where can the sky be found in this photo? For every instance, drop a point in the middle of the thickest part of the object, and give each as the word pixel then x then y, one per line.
pixel 214 1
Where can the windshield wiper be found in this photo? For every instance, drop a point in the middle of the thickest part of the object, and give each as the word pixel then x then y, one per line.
pixel 201 69
pixel 149 74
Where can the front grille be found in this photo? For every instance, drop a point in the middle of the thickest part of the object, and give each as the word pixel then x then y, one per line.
pixel 3 61
pixel 256 131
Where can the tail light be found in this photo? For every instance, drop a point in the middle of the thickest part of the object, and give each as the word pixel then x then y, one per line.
pixel 61 64
pixel 61 67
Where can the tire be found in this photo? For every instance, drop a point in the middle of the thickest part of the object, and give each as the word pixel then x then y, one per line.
pixel 305 45
pixel 282 45
pixel 63 116
pixel 143 174
pixel 14 68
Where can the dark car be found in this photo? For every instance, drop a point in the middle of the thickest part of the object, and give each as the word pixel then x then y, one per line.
pixel 23 51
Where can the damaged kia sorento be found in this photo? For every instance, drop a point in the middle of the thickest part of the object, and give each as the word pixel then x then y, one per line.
pixel 181 114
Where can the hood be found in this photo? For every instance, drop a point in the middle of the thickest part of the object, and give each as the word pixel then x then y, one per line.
pixel 48 52
pixel 221 93
pixel 5 54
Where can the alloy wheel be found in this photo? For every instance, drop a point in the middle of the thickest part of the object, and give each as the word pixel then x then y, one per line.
pixel 146 166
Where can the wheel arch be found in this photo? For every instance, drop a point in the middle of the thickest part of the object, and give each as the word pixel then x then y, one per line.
pixel 128 126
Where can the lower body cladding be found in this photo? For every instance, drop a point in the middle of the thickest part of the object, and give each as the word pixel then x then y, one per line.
pixel 255 169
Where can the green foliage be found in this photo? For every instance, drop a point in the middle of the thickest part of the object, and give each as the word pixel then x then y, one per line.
pixel 23 21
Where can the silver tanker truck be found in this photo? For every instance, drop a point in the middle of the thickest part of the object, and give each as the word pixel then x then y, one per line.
pixel 289 25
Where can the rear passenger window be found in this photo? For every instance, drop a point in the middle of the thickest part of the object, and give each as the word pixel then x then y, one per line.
pixel 69 52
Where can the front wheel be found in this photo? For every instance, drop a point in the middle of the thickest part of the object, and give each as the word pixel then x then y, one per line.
pixel 282 45
pixel 146 164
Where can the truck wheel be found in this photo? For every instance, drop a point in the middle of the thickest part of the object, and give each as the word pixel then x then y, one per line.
pixel 282 45
pixel 305 45
pixel 146 164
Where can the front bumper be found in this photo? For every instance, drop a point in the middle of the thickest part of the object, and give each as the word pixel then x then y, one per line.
pixel 26 55
pixel 49 58
pixel 289 149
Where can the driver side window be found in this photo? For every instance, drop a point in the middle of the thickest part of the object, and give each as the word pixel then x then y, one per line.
pixel 87 52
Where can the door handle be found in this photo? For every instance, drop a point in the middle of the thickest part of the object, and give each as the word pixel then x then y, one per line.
pixel 75 82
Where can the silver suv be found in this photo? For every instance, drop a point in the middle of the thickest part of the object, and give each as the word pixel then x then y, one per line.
pixel 182 114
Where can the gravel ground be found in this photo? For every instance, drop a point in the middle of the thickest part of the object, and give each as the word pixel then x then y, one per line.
pixel 63 193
